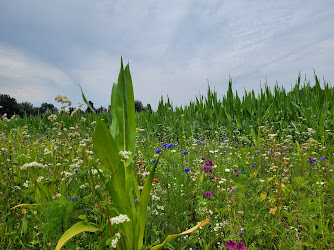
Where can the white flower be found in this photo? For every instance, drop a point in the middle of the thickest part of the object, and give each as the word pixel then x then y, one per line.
pixel 32 164
pixel 26 184
pixel 227 170
pixel 119 219
pixel 125 154
pixel 52 118
pixel 160 207
pixel 40 178
pixel 115 240
pixel 46 151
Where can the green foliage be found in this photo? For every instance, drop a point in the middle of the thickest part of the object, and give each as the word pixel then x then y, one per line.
pixel 8 105
pixel 272 178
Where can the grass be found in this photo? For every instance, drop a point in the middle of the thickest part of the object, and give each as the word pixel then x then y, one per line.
pixel 267 160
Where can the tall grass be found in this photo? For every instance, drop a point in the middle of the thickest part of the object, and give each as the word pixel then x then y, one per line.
pixel 270 155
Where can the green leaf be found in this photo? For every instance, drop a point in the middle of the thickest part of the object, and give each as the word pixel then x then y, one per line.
pixel 107 152
pixel 173 236
pixel 74 230
pixel 85 100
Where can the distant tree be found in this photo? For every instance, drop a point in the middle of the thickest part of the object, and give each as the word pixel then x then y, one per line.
pixel 8 105
pixel 101 110
pixel 149 108
pixel 45 107
pixel 88 109
pixel 27 108
pixel 139 107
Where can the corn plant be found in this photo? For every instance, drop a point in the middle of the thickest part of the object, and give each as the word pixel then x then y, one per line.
pixel 114 147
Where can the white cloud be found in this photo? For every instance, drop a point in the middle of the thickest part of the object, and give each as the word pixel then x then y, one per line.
pixel 173 47
pixel 25 77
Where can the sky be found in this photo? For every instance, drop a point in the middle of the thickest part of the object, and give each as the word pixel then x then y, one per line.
pixel 175 48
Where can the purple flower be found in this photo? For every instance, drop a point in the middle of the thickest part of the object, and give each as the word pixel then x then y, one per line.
pixel 76 171
pixel 241 246
pixel 136 200
pixel 207 169
pixel 186 170
pixel 253 166
pixel 208 194
pixel 241 233
pixel 311 159
pixel 209 163
pixel 158 151
pixel 231 244
pixel 74 199
pixel 185 152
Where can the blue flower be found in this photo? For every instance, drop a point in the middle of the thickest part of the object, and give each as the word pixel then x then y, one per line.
pixel 170 145
pixel 185 152
pixel 158 151
pixel 74 199
pixel 242 171
pixel 165 145
pixel 154 160
pixel 322 158
pixel 136 200
pixel 186 170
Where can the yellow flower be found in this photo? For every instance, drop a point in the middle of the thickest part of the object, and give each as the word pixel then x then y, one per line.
pixel 273 210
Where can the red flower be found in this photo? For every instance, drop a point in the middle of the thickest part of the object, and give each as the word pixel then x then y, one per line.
pixel 156 180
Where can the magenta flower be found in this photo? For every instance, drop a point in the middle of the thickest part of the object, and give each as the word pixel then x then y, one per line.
pixel 208 194
pixel 241 246
pixel 231 244
pixel 207 169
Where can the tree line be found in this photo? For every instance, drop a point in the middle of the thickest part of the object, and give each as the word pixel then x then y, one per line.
pixel 9 106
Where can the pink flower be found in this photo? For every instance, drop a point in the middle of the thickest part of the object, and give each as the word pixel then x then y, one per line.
pixel 208 194
pixel 241 246
pixel 233 245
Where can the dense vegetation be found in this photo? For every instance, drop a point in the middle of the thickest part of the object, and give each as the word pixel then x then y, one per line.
pixel 260 168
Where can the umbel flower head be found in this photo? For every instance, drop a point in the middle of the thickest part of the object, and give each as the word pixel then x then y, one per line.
pixel 119 219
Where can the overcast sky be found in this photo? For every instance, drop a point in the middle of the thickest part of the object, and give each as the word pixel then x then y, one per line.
pixel 174 48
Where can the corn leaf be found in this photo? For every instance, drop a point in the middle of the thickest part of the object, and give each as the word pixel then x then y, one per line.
pixel 74 230
pixel 173 236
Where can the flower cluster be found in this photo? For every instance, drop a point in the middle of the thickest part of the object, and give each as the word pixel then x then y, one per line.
pixel 63 100
pixel 52 118
pixel 119 219
pixel 166 145
pixel 115 240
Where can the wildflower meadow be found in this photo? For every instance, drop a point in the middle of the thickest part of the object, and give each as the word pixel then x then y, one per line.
pixel 229 172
